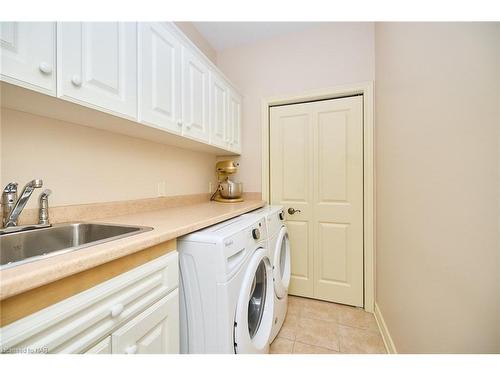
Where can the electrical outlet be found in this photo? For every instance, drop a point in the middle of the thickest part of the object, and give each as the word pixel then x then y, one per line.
pixel 210 187
pixel 162 189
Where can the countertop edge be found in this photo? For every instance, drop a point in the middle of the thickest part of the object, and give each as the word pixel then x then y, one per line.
pixel 93 256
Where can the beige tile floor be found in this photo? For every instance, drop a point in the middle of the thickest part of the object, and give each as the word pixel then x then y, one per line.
pixel 319 327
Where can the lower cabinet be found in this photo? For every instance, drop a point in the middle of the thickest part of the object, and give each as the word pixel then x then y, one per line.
pixel 135 312
pixel 102 347
pixel 154 331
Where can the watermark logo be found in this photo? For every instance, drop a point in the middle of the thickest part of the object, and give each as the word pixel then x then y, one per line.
pixel 24 350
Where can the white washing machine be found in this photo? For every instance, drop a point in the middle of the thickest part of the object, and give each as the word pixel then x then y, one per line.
pixel 226 288
pixel 279 248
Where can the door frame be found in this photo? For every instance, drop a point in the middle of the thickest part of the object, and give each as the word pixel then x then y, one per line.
pixel 365 89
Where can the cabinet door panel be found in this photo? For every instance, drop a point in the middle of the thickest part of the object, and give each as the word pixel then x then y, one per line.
pixel 28 55
pixel 102 347
pixel 195 97
pixel 98 65
pixel 155 331
pixel 219 93
pixel 159 77
pixel 234 122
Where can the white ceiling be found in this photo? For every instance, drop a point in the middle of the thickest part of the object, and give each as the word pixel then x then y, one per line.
pixel 224 35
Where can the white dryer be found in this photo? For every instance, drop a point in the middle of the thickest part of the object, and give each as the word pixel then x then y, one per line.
pixel 226 288
pixel 279 248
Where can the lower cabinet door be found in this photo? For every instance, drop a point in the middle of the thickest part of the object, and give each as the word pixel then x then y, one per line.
pixel 154 331
pixel 102 347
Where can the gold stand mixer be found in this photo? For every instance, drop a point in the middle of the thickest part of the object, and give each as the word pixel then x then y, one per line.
pixel 227 191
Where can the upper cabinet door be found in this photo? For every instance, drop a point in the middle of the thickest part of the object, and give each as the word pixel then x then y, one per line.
pixel 195 96
pixel 28 55
pixel 159 77
pixel 98 65
pixel 234 122
pixel 219 93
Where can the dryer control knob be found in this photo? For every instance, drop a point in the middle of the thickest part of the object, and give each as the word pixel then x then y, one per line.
pixel 282 215
pixel 256 233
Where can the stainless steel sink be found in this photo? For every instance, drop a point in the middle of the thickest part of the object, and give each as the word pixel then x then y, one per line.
pixel 22 247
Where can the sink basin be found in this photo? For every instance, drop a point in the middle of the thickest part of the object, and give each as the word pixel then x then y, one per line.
pixel 22 247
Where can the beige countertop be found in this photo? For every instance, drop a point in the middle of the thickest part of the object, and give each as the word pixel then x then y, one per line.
pixel 168 223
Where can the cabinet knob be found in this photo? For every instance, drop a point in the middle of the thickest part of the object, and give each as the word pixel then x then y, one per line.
pixel 188 126
pixel 76 80
pixel 179 123
pixel 131 349
pixel 117 310
pixel 45 68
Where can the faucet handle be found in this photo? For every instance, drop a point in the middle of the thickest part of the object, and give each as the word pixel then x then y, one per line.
pixel 45 193
pixel 38 183
pixel 10 188
pixel 43 212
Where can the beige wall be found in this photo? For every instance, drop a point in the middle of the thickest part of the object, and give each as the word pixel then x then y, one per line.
pixel 319 57
pixel 198 39
pixel 86 165
pixel 437 171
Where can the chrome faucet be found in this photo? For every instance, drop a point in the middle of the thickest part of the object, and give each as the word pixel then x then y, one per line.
pixel 9 198
pixel 13 206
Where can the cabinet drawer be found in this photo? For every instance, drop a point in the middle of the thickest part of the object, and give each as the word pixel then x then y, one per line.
pixel 70 326
pixel 102 347
pixel 155 331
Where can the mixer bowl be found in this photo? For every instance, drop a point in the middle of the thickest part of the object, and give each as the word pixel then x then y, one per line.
pixel 231 190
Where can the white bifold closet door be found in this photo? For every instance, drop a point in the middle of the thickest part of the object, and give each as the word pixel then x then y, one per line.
pixel 316 168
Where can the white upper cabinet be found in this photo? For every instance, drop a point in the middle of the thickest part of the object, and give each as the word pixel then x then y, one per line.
pixel 28 55
pixel 97 64
pixel 234 121
pixel 146 72
pixel 195 93
pixel 159 77
pixel 225 114
pixel 219 93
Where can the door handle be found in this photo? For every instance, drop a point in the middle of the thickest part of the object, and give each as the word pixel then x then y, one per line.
pixel 292 210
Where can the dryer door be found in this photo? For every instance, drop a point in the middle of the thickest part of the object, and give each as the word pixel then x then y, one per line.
pixel 254 312
pixel 282 264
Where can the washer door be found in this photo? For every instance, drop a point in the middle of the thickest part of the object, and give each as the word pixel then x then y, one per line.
pixel 282 264
pixel 254 312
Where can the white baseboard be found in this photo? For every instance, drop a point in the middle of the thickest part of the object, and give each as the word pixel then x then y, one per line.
pixel 389 344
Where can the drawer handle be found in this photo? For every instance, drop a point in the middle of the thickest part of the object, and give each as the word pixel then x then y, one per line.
pixel 45 68
pixel 76 80
pixel 131 349
pixel 117 310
